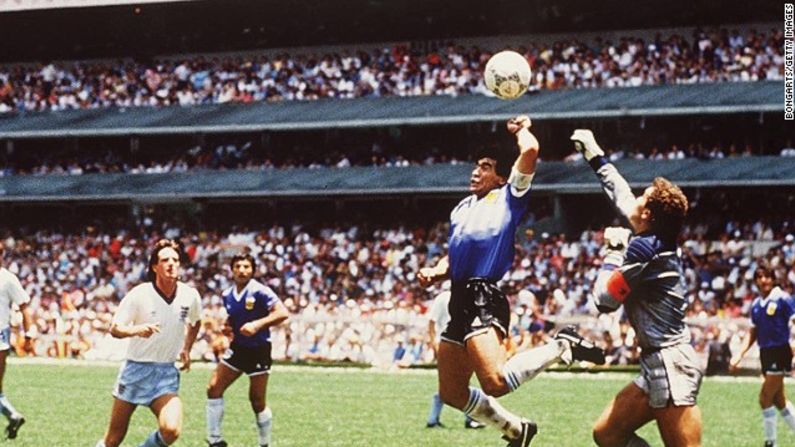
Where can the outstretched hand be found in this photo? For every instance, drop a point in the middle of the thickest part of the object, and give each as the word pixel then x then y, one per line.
pixel 585 143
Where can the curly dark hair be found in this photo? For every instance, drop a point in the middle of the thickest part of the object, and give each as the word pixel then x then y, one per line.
pixel 668 206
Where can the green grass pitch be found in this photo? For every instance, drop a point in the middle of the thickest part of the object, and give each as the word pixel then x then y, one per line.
pixel 69 405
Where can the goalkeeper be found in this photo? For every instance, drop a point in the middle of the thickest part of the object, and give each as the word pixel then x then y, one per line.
pixel 645 275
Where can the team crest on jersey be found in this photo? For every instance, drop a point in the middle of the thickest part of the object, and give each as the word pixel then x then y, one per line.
pixel 250 303
pixel 771 308
pixel 491 197
pixel 183 312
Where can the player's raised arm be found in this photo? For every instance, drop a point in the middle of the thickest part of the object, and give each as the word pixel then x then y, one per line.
pixel 614 185
pixel 525 166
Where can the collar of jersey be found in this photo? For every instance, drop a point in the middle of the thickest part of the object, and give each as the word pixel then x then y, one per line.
pixel 774 294
pixel 167 299
pixel 242 294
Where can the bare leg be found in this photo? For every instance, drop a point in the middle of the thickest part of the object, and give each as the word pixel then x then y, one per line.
pixel 120 416
pixel 168 409
pixel 626 413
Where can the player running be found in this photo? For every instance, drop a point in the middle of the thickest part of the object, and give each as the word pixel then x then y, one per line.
pixel 252 309
pixel 11 294
pixel 645 275
pixel 771 313
pixel 154 315
pixel 481 250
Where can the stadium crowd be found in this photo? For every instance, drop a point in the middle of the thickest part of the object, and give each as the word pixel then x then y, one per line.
pixel 353 292
pixel 253 157
pixel 717 55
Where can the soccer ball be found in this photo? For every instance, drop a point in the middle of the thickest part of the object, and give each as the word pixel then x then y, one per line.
pixel 507 74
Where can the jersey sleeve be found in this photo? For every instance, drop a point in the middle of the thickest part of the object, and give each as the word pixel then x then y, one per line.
pixel 617 190
pixel 16 293
pixel 125 313
pixel 789 303
pixel 195 312
pixel 270 297
pixel 614 286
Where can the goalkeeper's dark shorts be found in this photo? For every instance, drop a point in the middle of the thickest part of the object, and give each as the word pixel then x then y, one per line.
pixel 475 306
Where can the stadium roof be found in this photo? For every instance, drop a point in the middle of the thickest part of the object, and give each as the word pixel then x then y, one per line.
pixel 27 5
pixel 718 98
pixel 552 177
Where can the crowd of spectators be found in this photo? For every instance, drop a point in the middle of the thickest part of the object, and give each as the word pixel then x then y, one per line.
pixel 717 55
pixel 247 156
pixel 352 290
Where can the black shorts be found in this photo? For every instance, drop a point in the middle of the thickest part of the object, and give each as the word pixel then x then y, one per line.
pixel 251 361
pixel 776 360
pixel 475 306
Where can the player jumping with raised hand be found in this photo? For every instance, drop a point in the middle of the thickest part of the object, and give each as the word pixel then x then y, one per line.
pixel 481 250
pixel 645 275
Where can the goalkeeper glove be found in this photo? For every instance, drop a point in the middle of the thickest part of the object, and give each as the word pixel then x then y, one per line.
pixel 585 143
pixel 616 242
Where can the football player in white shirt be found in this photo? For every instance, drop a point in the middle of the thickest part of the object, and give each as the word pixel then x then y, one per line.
pixel 154 315
pixel 11 293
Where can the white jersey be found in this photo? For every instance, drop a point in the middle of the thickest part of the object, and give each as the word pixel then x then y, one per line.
pixel 11 293
pixel 439 314
pixel 145 305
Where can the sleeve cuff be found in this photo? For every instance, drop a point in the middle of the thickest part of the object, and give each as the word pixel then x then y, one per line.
pixel 597 162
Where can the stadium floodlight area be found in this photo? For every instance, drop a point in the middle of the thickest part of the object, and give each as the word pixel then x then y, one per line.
pixel 29 5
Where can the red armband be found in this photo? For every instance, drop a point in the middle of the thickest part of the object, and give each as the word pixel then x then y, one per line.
pixel 617 286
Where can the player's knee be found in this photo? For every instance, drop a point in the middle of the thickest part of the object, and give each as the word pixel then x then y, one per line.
pixel 495 386
pixel 170 433
pixel 602 436
pixel 214 391
pixel 258 404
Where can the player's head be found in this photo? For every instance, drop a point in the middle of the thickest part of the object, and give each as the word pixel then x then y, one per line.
pixel 165 260
pixel 492 168
pixel 242 265
pixel 765 279
pixel 660 210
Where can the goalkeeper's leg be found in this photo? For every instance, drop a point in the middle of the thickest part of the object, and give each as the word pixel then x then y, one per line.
pixel 625 414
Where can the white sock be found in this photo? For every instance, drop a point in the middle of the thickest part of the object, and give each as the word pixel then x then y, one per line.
pixel 526 365
pixel 769 421
pixel 487 410
pixel 636 441
pixel 100 443
pixel 788 413
pixel 6 408
pixel 264 425
pixel 215 415
pixel 154 440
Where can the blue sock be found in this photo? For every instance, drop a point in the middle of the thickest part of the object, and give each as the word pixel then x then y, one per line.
pixel 436 410
pixel 6 408
pixel 154 440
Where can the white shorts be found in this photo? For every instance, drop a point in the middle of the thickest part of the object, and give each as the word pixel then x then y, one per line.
pixel 670 375
pixel 140 383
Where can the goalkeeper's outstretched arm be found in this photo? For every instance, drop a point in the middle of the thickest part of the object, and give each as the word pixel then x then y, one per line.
pixel 614 185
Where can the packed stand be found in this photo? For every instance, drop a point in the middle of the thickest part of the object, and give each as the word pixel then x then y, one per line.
pixel 354 295
pixel 717 55
pixel 246 155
